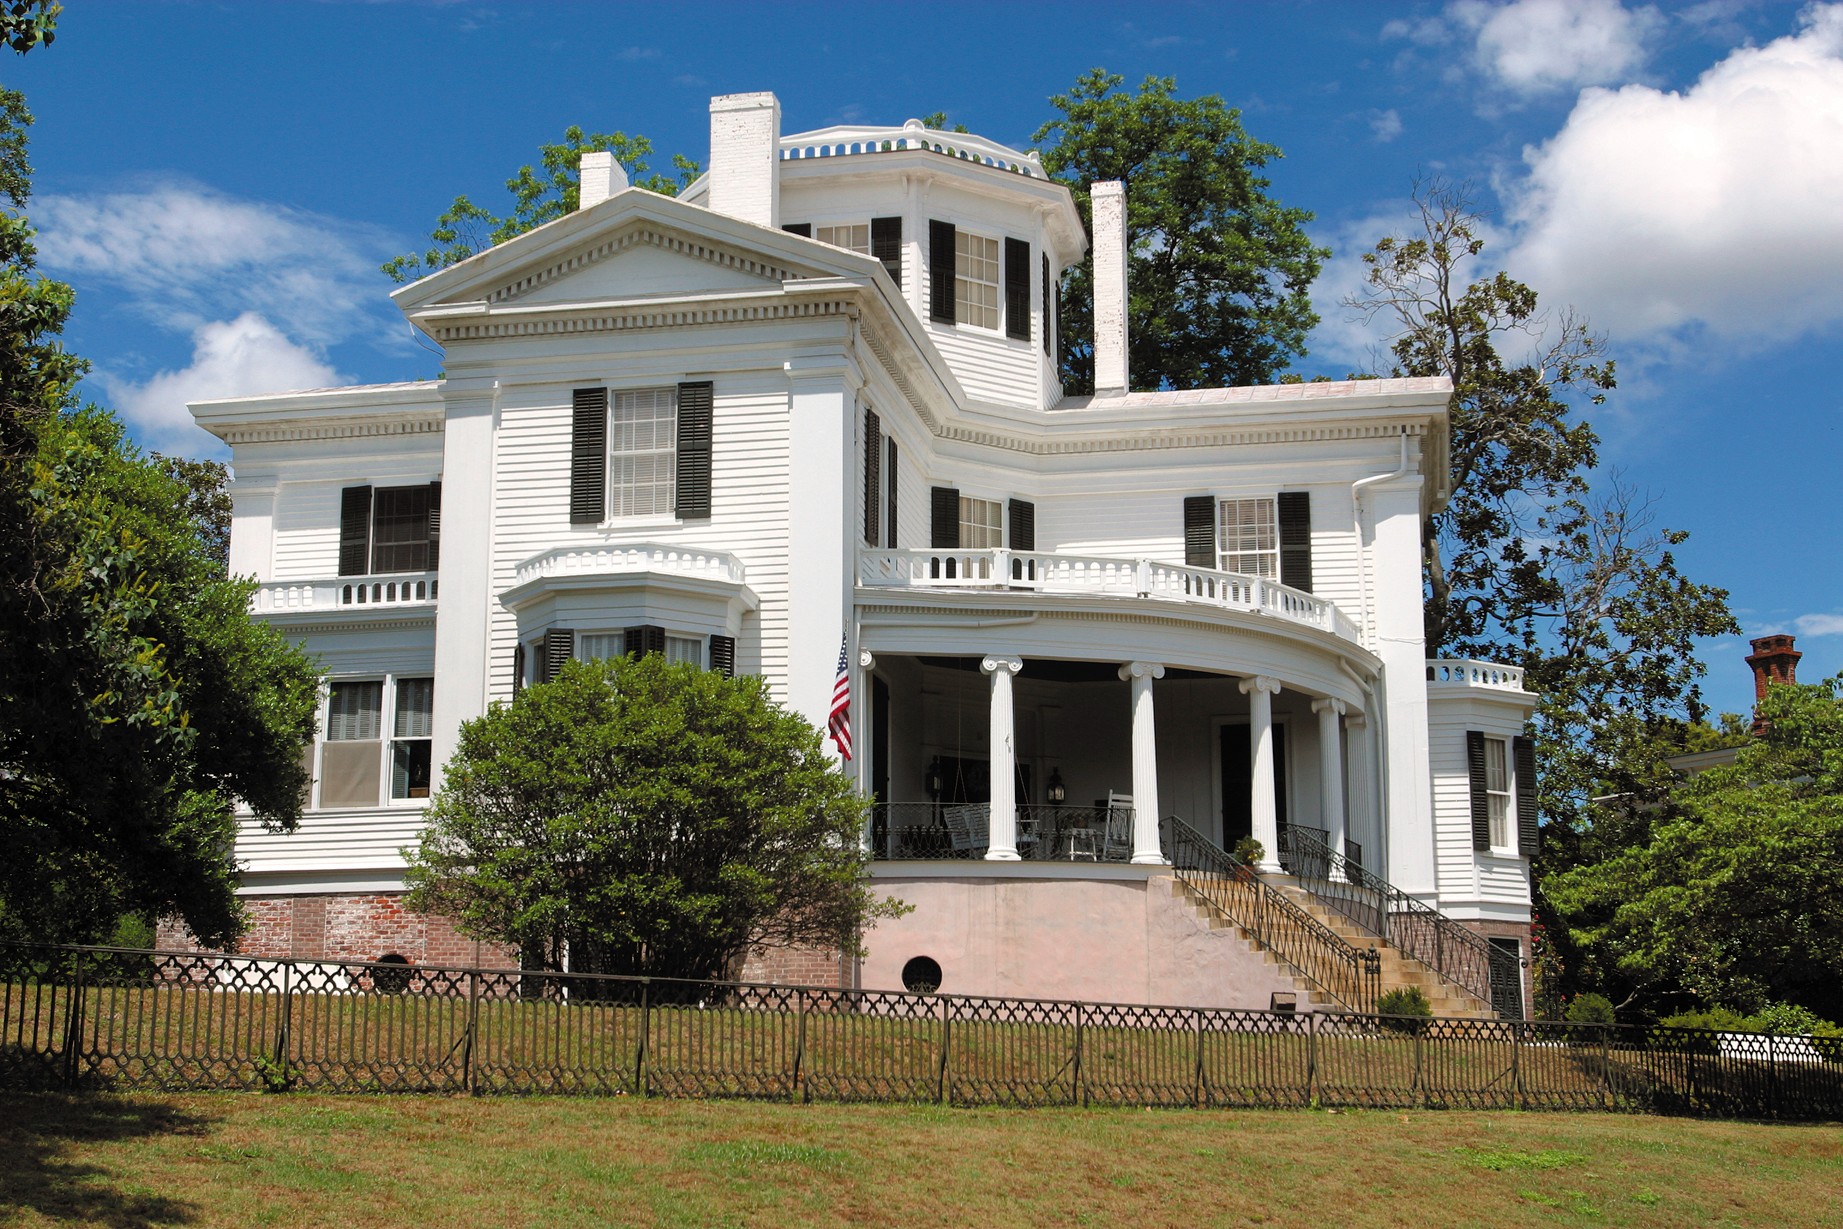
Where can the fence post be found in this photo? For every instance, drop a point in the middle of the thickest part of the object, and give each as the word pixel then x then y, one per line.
pixel 941 1084
pixel 793 1089
pixel 646 1018
pixel 280 1059
pixel 1516 1064
pixel 1079 1088
pixel 73 1019
pixel 1606 1066
pixel 1772 1076
pixel 473 1021
pixel 1419 1086
pixel 1199 1075
pixel 1311 1058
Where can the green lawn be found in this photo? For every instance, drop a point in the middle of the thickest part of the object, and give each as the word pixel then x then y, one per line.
pixel 242 1159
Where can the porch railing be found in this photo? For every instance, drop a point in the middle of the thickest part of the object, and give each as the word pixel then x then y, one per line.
pixel 1348 974
pixel 929 831
pixel 1035 571
pixel 1370 901
pixel 394 590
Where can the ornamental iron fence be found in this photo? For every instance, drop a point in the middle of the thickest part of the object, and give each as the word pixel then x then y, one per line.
pixel 105 1018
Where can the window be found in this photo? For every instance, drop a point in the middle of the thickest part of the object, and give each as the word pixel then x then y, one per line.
pixel 853 238
pixel 976 280
pixel 981 523
pixel 410 742
pixel 643 452
pixel 1497 791
pixel 600 646
pixel 389 529
pixel 1248 538
pixel 354 749
pixel 687 649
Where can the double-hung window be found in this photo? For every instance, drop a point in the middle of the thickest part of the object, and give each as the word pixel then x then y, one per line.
pixel 354 747
pixel 1248 538
pixel 982 523
pixel 390 529
pixel 1497 792
pixel 642 452
pixel 976 280
pixel 851 237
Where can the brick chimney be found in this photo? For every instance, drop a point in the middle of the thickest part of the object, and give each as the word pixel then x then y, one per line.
pixel 1774 660
pixel 601 177
pixel 1109 201
pixel 745 157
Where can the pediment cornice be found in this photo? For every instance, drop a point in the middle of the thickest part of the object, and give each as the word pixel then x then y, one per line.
pixel 644 233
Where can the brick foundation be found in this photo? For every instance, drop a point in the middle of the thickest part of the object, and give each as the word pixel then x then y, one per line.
pixel 799 966
pixel 357 927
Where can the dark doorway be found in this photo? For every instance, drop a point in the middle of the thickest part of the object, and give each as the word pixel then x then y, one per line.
pixel 1507 978
pixel 1238 783
pixel 969 780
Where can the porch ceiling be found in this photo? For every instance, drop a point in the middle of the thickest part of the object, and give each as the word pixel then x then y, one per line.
pixel 1055 670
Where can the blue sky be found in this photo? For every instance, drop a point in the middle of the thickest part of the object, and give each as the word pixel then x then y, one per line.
pixel 220 181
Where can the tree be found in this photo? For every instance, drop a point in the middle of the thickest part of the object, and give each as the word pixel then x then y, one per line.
pixel 207 502
pixel 1527 563
pixel 1735 896
pixel 538 196
pixel 1218 271
pixel 138 702
pixel 25 24
pixel 649 818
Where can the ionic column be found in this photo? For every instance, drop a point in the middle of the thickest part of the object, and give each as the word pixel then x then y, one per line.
pixel 1331 775
pixel 867 662
pixel 1260 691
pixel 1001 845
pixel 1145 763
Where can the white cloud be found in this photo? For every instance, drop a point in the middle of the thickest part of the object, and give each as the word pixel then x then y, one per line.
pixel 1819 624
pixel 1532 47
pixel 187 255
pixel 230 358
pixel 1385 126
pixel 1717 208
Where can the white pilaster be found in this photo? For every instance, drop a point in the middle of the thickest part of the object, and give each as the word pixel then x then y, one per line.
pixel 463 612
pixel 1260 691
pixel 1002 843
pixel 1331 774
pixel 1407 800
pixel 1361 820
pixel 252 526
pixel 1145 763
pixel 822 400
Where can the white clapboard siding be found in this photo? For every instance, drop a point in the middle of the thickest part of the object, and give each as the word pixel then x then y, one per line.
pixel 306 531
pixel 368 839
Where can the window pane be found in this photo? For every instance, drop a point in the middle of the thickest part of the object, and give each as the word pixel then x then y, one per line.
pixel 643 452
pixel 852 238
pixel 409 769
pixel 601 646
pixel 400 530
pixel 1248 537
pixel 976 279
pixel 353 712
pixel 981 524
pixel 1496 778
pixel 415 708
pixel 685 648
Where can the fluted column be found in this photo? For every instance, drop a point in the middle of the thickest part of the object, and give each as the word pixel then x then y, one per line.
pixel 1260 691
pixel 1145 763
pixel 1331 775
pixel 1001 845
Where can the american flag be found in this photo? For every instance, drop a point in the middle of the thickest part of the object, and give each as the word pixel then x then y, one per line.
pixel 839 725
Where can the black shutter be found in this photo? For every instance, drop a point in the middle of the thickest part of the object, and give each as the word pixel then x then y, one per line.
pixel 644 639
pixel 1481 801
pixel 1048 311
pixel 518 668
pixel 435 525
pixel 944 518
pixel 695 404
pixel 1295 514
pixel 802 229
pixel 589 457
pixel 886 245
pixel 940 273
pixel 1529 836
pixel 355 531
pixel 1200 531
pixel 723 655
pixel 559 647
pixel 1017 289
pixel 895 480
pixel 873 476
pixel 1023 534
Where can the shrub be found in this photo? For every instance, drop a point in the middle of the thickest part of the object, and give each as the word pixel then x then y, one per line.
pixel 1249 851
pixel 1409 1007
pixel 1589 1009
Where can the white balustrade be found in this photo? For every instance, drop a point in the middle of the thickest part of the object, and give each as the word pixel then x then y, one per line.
pixel 404 589
pixel 1465 672
pixel 634 557
pixel 1040 572
pixel 845 140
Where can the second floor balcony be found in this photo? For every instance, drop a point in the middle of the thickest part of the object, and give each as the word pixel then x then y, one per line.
pixel 1093 575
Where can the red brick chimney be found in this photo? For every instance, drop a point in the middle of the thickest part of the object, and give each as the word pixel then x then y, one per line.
pixel 1774 660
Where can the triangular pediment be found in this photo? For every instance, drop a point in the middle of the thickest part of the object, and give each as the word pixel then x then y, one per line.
pixel 635 245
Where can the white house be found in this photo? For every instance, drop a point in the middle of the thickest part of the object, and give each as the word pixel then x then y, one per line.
pixel 816 397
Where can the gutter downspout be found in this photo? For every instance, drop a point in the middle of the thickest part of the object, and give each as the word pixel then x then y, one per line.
pixel 1356 518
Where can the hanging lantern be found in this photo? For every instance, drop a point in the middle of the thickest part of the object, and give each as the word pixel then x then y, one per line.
pixel 935 781
pixel 1055 791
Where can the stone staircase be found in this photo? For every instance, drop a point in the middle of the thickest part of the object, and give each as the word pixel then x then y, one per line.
pixel 1399 970
pixel 1309 997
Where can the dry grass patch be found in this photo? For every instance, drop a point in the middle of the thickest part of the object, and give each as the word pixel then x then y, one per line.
pixel 211 1160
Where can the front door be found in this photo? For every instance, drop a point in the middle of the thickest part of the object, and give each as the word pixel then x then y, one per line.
pixel 1238 782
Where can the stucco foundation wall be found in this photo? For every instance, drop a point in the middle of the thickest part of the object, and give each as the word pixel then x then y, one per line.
pixel 1126 940
pixel 358 926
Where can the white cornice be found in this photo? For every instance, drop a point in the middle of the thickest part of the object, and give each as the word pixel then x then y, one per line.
pixel 672 241
pixel 398 423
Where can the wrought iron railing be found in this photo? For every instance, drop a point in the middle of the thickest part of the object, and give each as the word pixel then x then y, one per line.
pixel 1370 901
pixel 925 831
pixel 119 1020
pixel 1300 858
pixel 1348 974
